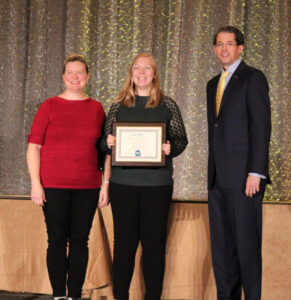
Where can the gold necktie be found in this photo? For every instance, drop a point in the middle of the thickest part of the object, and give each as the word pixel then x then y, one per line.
pixel 220 90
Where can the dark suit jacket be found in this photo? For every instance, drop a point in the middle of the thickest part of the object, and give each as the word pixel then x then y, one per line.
pixel 239 137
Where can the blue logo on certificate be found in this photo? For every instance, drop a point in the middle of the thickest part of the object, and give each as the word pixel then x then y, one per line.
pixel 137 153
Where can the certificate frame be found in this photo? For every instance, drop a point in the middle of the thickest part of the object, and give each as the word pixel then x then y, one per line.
pixel 137 134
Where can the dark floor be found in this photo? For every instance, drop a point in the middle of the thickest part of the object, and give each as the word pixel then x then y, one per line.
pixel 4 295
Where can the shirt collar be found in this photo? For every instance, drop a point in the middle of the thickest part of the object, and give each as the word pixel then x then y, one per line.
pixel 233 67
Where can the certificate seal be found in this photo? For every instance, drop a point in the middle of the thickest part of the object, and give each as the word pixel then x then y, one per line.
pixel 137 153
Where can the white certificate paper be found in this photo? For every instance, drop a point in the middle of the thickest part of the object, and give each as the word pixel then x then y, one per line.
pixel 139 144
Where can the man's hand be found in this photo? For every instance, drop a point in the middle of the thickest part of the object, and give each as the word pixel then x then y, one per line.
pixel 252 185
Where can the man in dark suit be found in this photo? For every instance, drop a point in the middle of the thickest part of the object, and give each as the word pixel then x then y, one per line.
pixel 239 127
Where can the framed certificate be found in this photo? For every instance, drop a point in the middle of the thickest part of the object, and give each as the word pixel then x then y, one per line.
pixel 138 144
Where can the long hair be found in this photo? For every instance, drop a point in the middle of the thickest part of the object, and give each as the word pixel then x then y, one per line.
pixel 127 94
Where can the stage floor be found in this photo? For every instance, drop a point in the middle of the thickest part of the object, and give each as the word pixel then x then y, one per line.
pixel 4 295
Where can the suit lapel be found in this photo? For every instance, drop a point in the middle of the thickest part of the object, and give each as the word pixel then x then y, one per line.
pixel 213 96
pixel 232 82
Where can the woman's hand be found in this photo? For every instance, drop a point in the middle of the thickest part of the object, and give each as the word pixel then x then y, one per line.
pixel 103 195
pixel 38 195
pixel 111 140
pixel 166 148
pixel 33 162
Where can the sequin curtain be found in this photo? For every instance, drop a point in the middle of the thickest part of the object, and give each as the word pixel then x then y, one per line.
pixel 37 34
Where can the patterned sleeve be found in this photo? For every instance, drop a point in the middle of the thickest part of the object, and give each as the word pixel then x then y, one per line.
pixel 108 126
pixel 177 132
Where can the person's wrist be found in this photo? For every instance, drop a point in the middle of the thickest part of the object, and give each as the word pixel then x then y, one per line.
pixel 105 183
pixel 35 184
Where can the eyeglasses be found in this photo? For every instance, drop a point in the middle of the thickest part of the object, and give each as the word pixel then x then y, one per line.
pixel 227 45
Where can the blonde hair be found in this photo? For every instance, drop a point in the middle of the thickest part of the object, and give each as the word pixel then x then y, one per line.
pixel 75 57
pixel 127 94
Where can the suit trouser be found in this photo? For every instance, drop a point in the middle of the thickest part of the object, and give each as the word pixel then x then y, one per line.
pixel 68 214
pixel 140 213
pixel 236 238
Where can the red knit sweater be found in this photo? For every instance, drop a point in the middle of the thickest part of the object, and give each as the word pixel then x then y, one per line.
pixel 68 131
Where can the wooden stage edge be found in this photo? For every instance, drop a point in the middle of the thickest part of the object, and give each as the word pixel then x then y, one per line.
pixel 27 197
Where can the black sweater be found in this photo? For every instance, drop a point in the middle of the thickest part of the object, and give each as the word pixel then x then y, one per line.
pixel 167 112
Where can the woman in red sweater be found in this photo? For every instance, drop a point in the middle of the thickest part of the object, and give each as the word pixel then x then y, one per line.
pixel 62 159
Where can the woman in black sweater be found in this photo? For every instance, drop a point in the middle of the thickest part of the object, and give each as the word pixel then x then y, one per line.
pixel 140 196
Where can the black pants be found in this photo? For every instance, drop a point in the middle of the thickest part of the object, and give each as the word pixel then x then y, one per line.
pixel 68 215
pixel 236 238
pixel 140 213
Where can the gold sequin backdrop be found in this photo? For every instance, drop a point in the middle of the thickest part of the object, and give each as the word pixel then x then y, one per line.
pixel 37 34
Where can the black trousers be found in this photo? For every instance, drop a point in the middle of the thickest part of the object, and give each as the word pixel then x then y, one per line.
pixel 68 215
pixel 140 213
pixel 236 238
